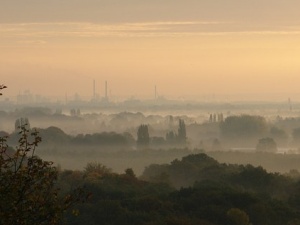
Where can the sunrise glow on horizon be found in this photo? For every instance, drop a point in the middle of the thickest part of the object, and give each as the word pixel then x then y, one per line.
pixel 190 48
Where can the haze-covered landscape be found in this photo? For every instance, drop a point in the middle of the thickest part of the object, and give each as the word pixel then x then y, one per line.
pixel 149 112
pixel 72 138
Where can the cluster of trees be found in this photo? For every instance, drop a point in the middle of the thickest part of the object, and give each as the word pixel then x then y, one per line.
pixel 209 193
pixel 104 139
pixel 254 131
pixel 75 112
pixel 212 185
pixel 180 138
pixel 172 138
pixel 244 126
pixel 56 136
pixel 243 129
pixel 28 185
pixel 266 145
pixel 231 132
pixel 247 131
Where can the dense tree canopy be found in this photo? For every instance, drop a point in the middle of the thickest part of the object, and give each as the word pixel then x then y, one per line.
pixel 214 194
pixel 266 145
pixel 244 126
pixel 296 136
pixel 243 131
pixel 28 194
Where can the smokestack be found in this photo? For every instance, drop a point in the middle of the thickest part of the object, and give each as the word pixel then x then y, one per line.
pixel 155 92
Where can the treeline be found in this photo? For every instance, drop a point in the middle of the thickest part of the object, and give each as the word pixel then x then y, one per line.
pixel 194 190
pixel 229 132
pixel 247 132
pixel 56 136
pixel 244 129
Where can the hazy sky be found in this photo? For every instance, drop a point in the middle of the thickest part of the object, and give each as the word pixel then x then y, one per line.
pixel 185 47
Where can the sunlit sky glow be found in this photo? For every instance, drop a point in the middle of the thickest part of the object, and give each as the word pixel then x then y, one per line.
pixel 227 48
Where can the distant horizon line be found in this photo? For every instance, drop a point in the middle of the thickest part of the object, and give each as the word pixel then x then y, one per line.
pixel 211 97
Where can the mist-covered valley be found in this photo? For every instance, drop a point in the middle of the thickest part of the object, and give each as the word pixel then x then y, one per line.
pixel 213 165
pixel 231 133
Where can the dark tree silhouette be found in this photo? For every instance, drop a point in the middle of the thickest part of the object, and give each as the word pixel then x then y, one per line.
pixel 266 145
pixel 28 192
pixel 244 126
pixel 143 138
pixel 170 137
pixel 181 132
pixel 296 136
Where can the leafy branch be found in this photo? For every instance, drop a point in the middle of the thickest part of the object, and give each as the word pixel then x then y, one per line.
pixel 2 87
pixel 28 184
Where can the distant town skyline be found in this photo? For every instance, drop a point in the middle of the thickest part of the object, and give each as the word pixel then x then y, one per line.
pixel 187 48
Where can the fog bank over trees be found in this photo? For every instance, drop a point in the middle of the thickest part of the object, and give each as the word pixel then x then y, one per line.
pixel 152 173
pixel 120 139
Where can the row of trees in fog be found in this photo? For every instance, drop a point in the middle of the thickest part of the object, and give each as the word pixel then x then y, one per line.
pixel 216 132
pixel 54 136
pixel 238 130
pixel 172 138
pixel 235 131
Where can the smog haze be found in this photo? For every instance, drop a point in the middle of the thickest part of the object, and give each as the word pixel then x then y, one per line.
pixel 235 50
